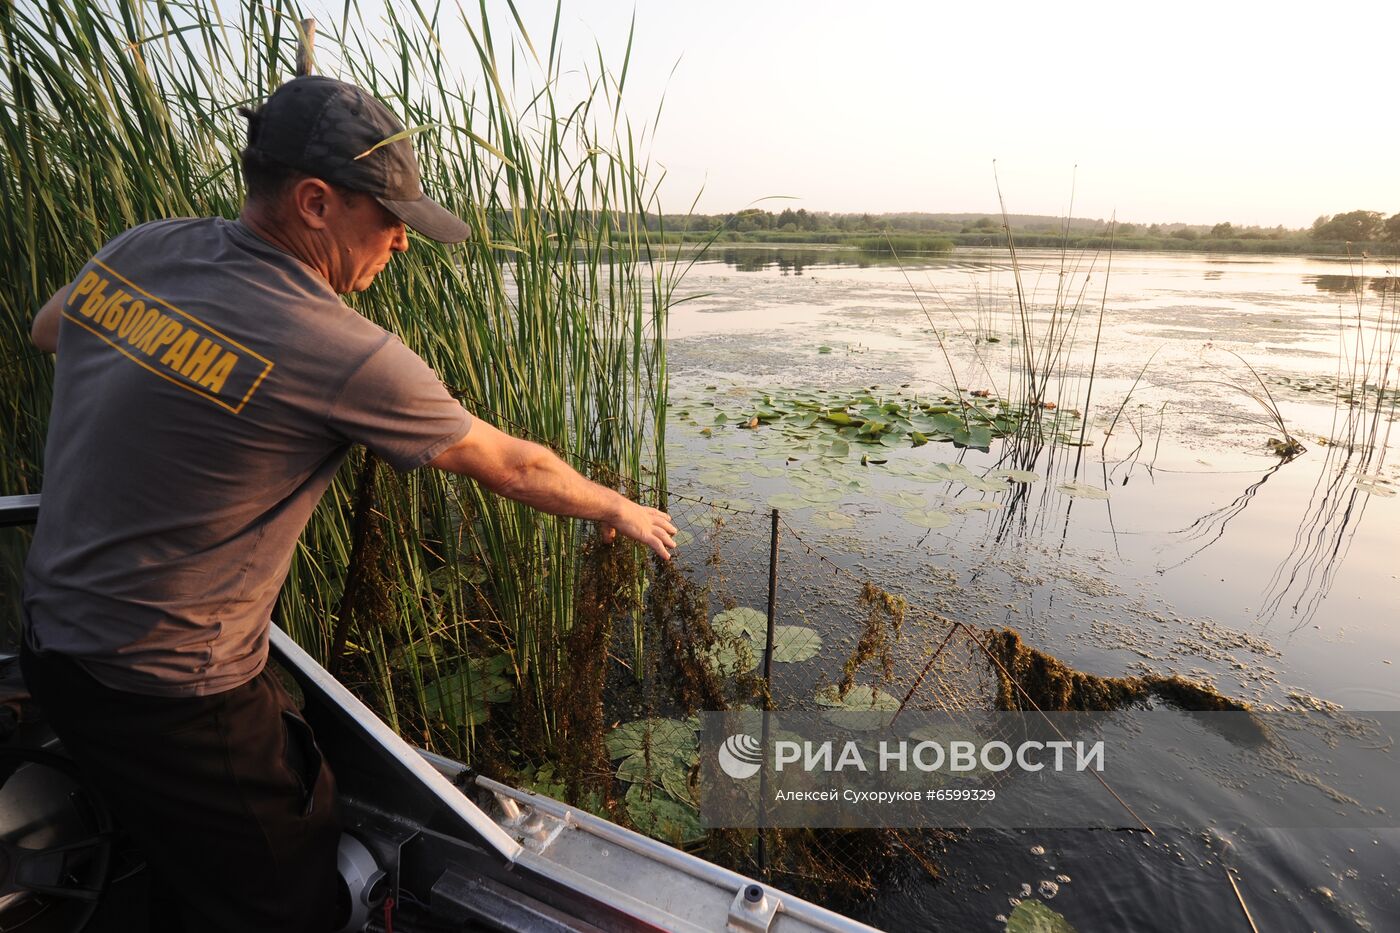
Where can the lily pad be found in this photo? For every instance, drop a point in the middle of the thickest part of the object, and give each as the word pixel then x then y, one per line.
pixel 1375 488
pixel 738 505
pixel 901 498
pixel 1082 491
pixel 833 521
pixel 661 817
pixel 671 772
pixel 976 505
pixel 946 423
pixel 667 737
pixel 731 658
pixel 741 620
pixel 676 781
pixel 723 478
pixel 859 697
pixel 976 436
pixel 787 500
pixel 793 643
pixel 1032 916
pixel 931 519
pixel 983 485
pixel 449 576
pixel 1016 476
pixel 449 699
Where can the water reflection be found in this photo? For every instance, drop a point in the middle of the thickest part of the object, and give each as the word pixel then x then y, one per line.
pixel 793 261
pixel 1352 284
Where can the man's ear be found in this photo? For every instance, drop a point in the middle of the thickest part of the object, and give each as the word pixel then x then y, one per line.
pixel 311 202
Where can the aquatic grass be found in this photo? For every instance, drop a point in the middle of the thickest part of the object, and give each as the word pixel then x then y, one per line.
pixel 549 319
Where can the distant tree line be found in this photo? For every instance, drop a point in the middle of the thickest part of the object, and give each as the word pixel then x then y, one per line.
pixel 913 231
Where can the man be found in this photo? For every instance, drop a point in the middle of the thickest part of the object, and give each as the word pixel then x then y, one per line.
pixel 208 383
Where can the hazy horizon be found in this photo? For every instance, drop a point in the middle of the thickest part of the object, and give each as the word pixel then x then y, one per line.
pixel 1207 113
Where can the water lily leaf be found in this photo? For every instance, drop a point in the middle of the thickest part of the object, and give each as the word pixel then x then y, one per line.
pixel 901 498
pixel 449 576
pixel 1375 488
pixel 928 518
pixel 1016 476
pixel 823 349
pixel 1032 916
pixel 795 643
pixel 874 427
pixel 667 737
pixel 675 779
pixel 721 478
pixel 918 439
pixel 976 436
pixel 859 697
pixel 496 664
pixel 657 815
pixel 449 700
pixel 837 448
pixel 833 521
pixel 976 505
pixel 983 485
pixel 945 422
pixel 1082 491
pixel 823 496
pixel 738 505
pixel 721 418
pixel 741 620
pixel 668 771
pixel 634 770
pixel 787 500
pixel 842 418
pixel 731 658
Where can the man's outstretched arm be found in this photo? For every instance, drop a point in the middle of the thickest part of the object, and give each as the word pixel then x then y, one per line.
pixel 532 474
pixel 43 333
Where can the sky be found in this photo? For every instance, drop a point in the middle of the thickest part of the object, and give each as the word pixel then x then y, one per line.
pixel 1253 113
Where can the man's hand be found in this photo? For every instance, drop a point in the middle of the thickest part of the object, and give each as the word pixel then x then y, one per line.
pixel 531 474
pixel 644 525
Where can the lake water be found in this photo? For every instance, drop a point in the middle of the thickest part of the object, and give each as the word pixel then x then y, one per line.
pixel 1180 543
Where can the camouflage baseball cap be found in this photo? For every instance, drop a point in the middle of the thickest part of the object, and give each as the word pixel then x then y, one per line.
pixel 335 131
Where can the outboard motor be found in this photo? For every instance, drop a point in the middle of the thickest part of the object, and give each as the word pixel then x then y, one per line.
pixel 364 884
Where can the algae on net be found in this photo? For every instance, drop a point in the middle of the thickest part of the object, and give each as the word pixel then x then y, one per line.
pixel 1031 679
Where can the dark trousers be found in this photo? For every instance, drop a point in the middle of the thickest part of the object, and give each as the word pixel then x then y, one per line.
pixel 226 796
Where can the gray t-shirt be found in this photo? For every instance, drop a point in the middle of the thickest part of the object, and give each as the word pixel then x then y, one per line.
pixel 207 387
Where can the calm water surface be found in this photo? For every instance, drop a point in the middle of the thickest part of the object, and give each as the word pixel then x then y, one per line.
pixel 1275 582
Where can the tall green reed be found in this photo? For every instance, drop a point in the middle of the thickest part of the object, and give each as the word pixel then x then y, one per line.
pixel 549 319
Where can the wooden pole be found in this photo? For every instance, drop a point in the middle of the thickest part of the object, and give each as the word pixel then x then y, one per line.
pixel 306 48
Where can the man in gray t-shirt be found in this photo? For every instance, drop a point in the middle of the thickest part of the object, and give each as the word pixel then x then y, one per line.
pixel 209 382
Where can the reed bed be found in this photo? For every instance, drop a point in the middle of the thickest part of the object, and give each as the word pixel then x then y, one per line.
pixel 549 320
